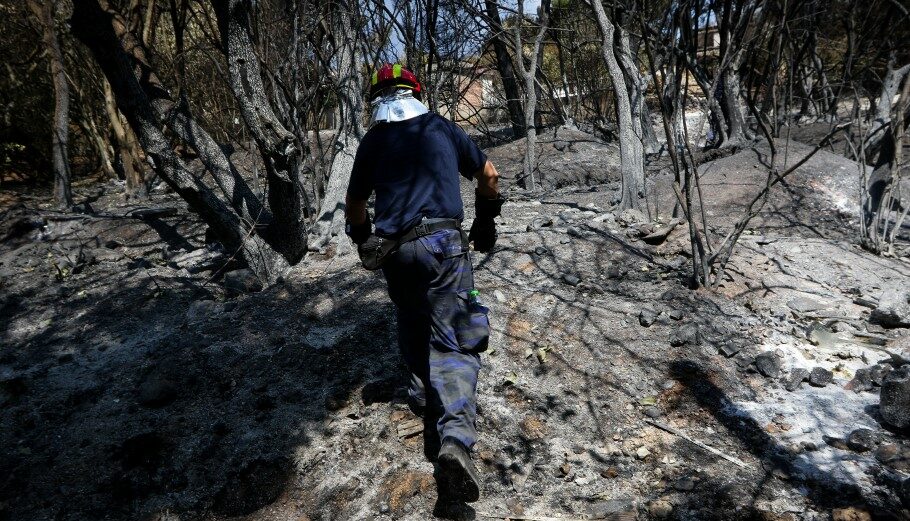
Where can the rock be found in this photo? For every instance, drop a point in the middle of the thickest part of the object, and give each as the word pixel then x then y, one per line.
pixel 197 260
pixel 574 232
pixel 805 305
pixel 893 308
pixel 729 349
pixel 796 378
pixel 660 509
pixel 498 295
pixel 684 335
pixel 241 281
pixel 904 492
pixel 613 509
pixel 642 453
pixel 609 473
pixel 820 377
pixel 571 279
pixel 837 443
pixel 862 380
pixel 879 372
pixel 540 251
pixel 676 314
pixel 862 440
pixel 894 456
pixel 582 480
pixel 850 514
pixel 659 235
pixel 538 223
pixel 768 364
pixel 83 208
pixel 631 216
pixel 651 412
pixel 202 309
pixel 106 255
pixel 647 317
pixel 684 484
pixel 894 402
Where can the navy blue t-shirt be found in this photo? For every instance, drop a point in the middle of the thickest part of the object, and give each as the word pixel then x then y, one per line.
pixel 413 167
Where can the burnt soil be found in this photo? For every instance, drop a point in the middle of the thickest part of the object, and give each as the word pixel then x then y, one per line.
pixel 134 386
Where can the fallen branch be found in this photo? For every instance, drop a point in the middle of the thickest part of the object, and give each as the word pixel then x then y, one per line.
pixel 539 518
pixel 139 213
pixel 865 302
pixel 872 338
pixel 684 436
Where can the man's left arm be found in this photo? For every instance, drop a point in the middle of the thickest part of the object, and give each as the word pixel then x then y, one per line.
pixel 487 181
pixel 357 221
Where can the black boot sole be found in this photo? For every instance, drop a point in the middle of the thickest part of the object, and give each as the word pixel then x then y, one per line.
pixel 455 481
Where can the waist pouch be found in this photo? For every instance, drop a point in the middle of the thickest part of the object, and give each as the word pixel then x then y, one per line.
pixel 471 323
pixel 373 256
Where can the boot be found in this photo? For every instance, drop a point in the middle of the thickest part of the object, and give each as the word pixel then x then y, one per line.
pixel 458 479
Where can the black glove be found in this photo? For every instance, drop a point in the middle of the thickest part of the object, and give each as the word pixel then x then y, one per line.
pixel 483 231
pixel 359 233
pixel 370 252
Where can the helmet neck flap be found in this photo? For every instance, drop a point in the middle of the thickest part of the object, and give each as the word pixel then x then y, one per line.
pixel 396 105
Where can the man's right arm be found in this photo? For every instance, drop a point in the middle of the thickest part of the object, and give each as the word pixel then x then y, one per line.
pixel 355 211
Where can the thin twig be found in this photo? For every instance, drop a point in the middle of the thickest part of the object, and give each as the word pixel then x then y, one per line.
pixel 538 518
pixel 712 450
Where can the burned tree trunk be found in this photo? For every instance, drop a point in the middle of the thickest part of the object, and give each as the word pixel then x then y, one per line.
pixel 529 75
pixel 44 12
pixel 349 86
pixel 628 109
pixel 506 71
pixel 127 148
pixel 241 223
pixel 881 117
pixel 277 146
pixel 737 130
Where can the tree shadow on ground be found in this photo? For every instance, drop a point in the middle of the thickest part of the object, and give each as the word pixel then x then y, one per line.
pixel 823 490
pixel 123 405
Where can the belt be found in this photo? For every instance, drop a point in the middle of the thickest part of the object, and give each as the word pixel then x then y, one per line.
pixel 427 227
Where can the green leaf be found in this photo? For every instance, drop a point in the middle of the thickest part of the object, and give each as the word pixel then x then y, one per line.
pixel 648 400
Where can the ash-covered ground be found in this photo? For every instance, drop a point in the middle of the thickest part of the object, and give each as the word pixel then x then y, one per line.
pixel 138 381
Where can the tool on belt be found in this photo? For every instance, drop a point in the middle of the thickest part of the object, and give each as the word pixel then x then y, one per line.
pixel 374 250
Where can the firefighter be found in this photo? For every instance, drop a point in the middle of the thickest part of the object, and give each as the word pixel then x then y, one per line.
pixel 411 158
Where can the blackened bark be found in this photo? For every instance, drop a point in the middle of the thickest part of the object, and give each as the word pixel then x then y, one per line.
pixel 127 148
pixel 94 27
pixel 628 109
pixel 349 86
pixel 44 12
pixel 529 75
pixel 277 146
pixel 506 70
pixel 178 118
pixel 881 117
pixel 737 132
